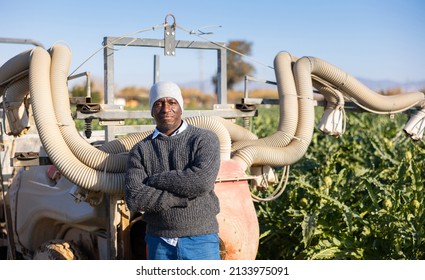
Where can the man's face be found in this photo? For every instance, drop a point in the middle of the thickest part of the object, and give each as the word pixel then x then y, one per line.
pixel 167 114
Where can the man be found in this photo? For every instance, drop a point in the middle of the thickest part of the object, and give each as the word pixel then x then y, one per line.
pixel 170 178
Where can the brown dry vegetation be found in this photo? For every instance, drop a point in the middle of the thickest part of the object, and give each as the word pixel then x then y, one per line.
pixel 194 98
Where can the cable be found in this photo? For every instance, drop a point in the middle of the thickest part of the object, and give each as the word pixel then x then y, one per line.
pixel 119 38
pixel 278 191
pixel 190 32
pixel 227 48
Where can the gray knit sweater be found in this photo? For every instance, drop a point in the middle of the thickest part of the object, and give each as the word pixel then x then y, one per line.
pixel 171 180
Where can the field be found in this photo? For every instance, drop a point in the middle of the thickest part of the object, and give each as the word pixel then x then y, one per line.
pixel 359 196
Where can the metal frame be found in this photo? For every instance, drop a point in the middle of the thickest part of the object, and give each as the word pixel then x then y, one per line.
pixel 21 41
pixel 110 42
pixel 112 115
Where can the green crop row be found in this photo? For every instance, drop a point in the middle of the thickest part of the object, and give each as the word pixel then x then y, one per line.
pixel 359 196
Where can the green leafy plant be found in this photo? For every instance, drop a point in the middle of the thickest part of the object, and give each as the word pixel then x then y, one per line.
pixel 359 196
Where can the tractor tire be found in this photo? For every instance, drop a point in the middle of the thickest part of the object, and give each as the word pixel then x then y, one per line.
pixel 58 250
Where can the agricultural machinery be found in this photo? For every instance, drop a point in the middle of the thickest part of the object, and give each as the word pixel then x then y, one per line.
pixel 62 189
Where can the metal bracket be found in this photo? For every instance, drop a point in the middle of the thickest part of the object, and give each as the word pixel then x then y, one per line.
pixel 29 159
pixel 88 108
pixel 169 36
pixel 246 107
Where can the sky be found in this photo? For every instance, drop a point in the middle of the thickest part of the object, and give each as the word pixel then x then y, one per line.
pixel 370 39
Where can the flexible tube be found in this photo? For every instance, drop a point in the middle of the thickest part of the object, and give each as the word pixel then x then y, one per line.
pixel 13 67
pixel 214 124
pixel 332 96
pixel 56 147
pixel 83 150
pixel 295 150
pixel 288 106
pixel 237 132
pixel 362 94
pixel 50 135
pixel 17 117
pixel 274 151
pixel 100 159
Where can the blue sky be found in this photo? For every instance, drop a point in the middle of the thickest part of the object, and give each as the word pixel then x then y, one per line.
pixel 372 39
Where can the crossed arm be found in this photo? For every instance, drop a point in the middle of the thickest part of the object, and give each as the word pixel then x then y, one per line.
pixel 195 180
pixel 173 188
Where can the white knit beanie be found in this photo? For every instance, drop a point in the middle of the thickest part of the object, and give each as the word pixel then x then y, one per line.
pixel 165 89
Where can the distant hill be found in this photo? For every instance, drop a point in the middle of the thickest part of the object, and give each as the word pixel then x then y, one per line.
pixel 387 84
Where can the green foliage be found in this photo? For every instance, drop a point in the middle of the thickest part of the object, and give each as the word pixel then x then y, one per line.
pixel 237 68
pixel 359 196
pixel 81 91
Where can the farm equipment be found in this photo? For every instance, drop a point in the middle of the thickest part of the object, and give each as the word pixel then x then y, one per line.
pixel 62 191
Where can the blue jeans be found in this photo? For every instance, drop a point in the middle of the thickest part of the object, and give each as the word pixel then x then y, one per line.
pixel 199 247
